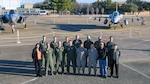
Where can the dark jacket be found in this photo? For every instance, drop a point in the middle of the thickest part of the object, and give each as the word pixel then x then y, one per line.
pixel 71 52
pixel 87 44
pixel 34 54
pixel 65 45
pixel 102 53
pixel 115 55
pixel 77 43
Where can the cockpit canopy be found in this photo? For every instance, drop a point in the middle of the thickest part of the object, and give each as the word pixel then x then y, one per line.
pixel 116 13
pixel 11 12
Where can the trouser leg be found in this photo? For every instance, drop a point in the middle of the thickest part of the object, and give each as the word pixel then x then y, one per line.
pixel 57 64
pixel 39 68
pixel 83 65
pixel 109 63
pixel 117 69
pixel 78 65
pixel 43 59
pixel 36 68
pixel 63 61
pixel 105 68
pixel 68 65
pixel 94 66
pixel 74 65
pixel 112 68
pixel 51 65
pixel 89 67
pixel 86 61
pixel 47 66
pixel 101 67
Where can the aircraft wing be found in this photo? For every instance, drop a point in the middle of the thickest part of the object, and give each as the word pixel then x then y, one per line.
pixel 95 17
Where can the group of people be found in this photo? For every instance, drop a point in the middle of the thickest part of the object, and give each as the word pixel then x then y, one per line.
pixel 55 55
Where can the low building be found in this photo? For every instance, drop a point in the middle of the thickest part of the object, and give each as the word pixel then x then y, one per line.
pixel 27 6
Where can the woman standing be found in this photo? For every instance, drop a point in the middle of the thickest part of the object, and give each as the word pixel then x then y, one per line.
pixel 37 58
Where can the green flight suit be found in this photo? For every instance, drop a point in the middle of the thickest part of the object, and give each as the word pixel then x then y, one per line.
pixel 43 50
pixel 64 56
pixel 49 61
pixel 53 45
pixel 59 52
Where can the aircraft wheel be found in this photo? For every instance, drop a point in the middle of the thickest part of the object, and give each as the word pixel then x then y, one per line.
pixel 121 25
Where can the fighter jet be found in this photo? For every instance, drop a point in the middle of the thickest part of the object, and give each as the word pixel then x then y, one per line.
pixel 114 18
pixel 12 18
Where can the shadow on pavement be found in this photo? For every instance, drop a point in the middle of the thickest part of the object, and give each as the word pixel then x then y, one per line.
pixel 144 50
pixel 76 27
pixel 13 67
pixel 79 27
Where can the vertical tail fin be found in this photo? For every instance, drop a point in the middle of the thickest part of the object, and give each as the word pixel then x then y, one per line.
pixel 116 7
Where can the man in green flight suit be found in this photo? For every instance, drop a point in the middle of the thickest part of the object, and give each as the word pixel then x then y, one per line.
pixel 43 50
pixel 49 60
pixel 53 45
pixel 59 52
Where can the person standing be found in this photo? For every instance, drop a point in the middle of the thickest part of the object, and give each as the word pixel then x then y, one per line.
pixel 49 60
pixel 71 53
pixel 115 55
pixel 98 42
pixel 64 57
pixel 87 45
pixel 109 45
pixel 53 45
pixel 43 50
pixel 77 41
pixel 93 54
pixel 81 58
pixel 102 60
pixel 59 52
pixel 37 58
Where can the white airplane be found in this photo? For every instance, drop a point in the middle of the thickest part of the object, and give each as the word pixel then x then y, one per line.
pixel 12 18
pixel 115 18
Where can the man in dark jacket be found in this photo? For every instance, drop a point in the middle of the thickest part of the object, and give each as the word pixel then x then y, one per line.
pixel 77 42
pixel 98 42
pixel 115 54
pixel 109 45
pixel 87 45
pixel 102 60
pixel 71 53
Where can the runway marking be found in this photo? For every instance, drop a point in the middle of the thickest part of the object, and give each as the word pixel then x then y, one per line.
pixel 136 71
pixel 30 80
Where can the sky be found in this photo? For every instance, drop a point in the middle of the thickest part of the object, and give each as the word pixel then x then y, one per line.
pixel 84 1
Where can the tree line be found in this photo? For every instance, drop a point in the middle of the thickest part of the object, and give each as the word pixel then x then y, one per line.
pixel 106 6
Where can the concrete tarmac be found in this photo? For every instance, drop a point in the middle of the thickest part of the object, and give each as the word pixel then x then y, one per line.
pixel 16 65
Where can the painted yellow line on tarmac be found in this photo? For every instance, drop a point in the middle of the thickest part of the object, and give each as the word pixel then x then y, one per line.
pixel 138 33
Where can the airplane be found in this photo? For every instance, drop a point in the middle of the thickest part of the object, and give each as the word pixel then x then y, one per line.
pixel 12 18
pixel 115 19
